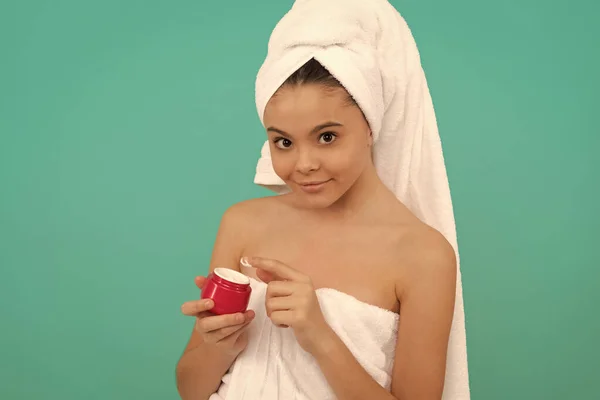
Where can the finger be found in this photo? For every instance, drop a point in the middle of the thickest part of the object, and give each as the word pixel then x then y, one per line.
pixel 281 288
pixel 279 270
pixel 204 314
pixel 264 276
pixel 248 316
pixel 282 319
pixel 213 323
pixel 196 307
pixel 200 281
pixel 275 304
pixel 231 339
pixel 220 334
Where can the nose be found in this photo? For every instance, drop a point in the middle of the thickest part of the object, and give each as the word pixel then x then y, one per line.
pixel 307 162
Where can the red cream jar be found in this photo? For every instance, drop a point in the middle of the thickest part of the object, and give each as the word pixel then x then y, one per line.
pixel 229 290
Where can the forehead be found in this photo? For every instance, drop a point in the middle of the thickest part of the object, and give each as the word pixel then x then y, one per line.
pixel 303 107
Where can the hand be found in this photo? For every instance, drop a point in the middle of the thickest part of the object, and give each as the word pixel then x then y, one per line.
pixel 227 332
pixel 291 301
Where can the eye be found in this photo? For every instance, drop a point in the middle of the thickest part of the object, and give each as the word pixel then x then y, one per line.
pixel 283 143
pixel 327 137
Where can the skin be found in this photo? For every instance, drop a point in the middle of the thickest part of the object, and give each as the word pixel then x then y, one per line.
pixel 362 241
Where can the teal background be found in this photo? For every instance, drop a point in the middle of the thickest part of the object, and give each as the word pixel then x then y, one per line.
pixel 128 127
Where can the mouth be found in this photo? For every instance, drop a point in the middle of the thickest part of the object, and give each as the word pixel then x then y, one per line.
pixel 313 186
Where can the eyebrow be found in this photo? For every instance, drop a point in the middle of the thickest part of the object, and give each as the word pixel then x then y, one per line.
pixel 317 128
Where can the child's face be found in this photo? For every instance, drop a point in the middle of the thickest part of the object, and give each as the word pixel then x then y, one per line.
pixel 320 144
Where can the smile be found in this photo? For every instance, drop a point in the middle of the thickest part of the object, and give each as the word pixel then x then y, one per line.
pixel 312 187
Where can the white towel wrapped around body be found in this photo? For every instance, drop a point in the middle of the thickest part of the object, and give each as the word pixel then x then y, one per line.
pixel 369 48
pixel 275 367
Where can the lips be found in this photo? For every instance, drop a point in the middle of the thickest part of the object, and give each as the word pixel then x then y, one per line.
pixel 312 186
pixel 314 183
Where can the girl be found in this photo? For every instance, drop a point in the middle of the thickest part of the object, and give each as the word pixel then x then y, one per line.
pixel 353 294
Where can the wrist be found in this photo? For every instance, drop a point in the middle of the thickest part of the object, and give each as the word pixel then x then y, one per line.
pixel 326 344
pixel 218 352
pixel 226 353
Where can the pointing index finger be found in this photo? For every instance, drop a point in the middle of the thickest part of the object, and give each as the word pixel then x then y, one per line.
pixel 276 268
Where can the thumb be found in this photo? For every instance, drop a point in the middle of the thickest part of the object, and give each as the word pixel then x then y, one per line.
pixel 200 281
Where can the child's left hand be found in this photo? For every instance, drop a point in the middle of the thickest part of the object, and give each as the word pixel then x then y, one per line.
pixel 291 301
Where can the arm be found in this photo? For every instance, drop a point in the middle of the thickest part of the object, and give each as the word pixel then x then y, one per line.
pixel 427 305
pixel 427 309
pixel 197 379
pixel 345 375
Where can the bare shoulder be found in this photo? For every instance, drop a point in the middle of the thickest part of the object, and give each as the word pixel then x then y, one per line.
pixel 249 211
pixel 233 235
pixel 426 258
pixel 430 249
pixel 251 218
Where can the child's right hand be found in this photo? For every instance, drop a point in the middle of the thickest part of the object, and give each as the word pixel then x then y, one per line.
pixel 228 332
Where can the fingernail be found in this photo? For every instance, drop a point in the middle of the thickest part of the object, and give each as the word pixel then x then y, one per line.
pixel 244 261
pixel 209 303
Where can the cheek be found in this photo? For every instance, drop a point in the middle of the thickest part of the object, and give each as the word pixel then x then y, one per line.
pixel 282 165
pixel 351 162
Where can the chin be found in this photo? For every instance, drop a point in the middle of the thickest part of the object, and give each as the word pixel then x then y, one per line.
pixel 315 201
